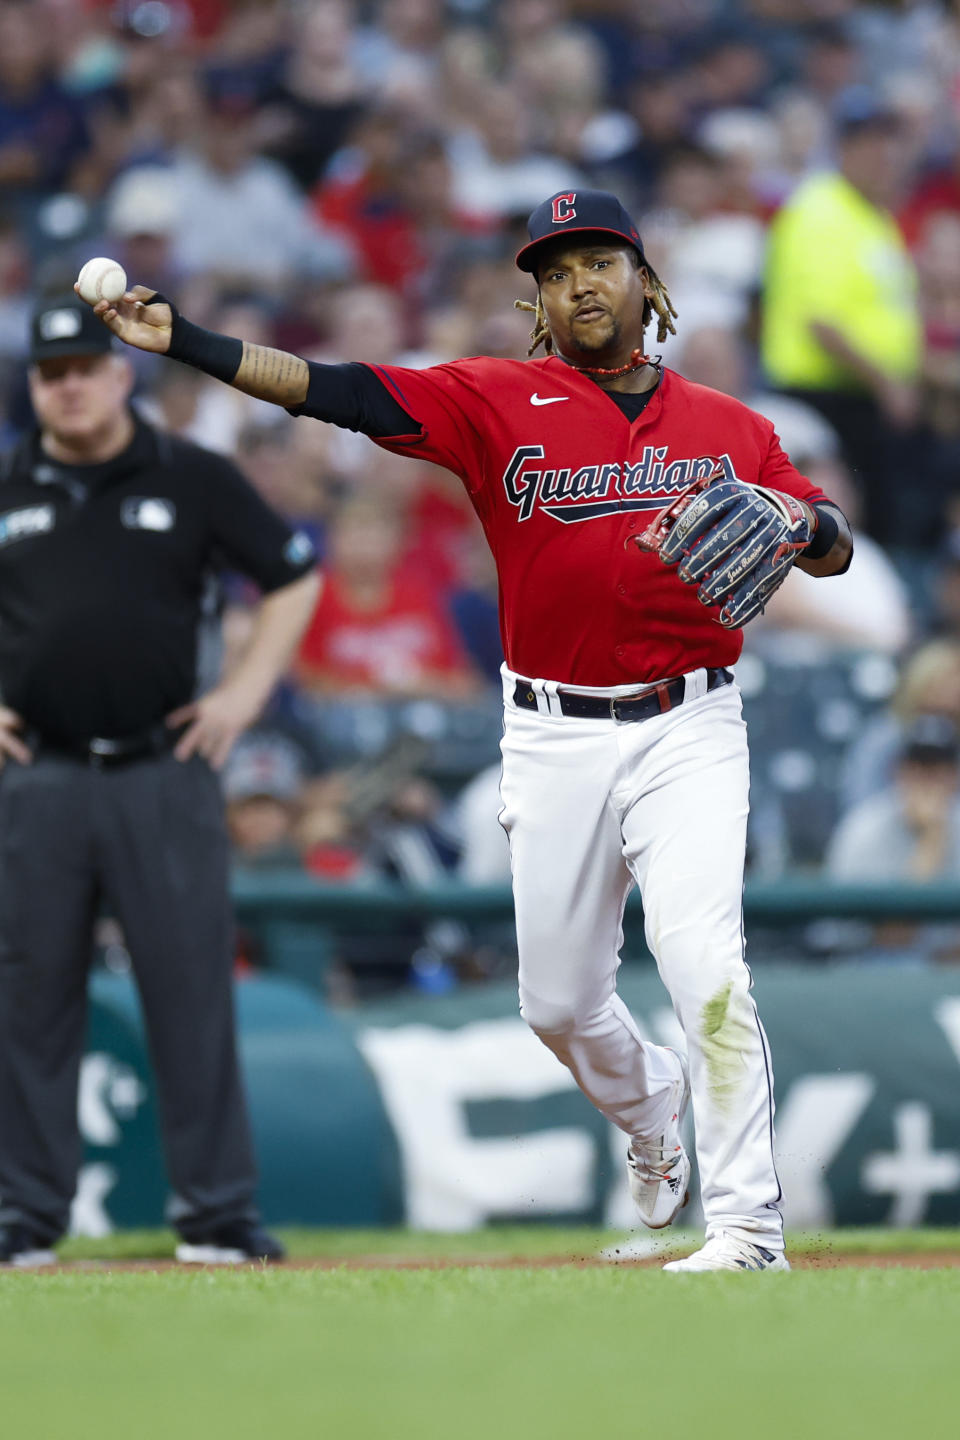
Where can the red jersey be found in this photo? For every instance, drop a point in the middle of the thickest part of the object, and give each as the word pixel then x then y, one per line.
pixel 561 479
pixel 407 638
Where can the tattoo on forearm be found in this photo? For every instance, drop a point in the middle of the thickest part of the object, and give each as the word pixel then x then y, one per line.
pixel 272 375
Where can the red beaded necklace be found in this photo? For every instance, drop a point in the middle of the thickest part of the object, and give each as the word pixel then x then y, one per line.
pixel 637 360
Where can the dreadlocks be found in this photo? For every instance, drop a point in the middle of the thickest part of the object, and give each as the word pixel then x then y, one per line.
pixel 659 304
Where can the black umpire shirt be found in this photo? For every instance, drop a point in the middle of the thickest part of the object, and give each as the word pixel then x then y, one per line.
pixel 102 572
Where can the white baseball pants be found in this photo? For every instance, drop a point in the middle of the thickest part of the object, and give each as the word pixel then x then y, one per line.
pixel 593 807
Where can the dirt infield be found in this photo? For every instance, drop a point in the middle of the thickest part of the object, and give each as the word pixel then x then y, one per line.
pixel 825 1260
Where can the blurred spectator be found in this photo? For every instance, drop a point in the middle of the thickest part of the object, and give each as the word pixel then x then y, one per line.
pixel 498 169
pixel 717 356
pixel 262 783
pixel 945 588
pixel 319 96
pixel 402 217
pixel 713 257
pixel 840 323
pixel 364 323
pixel 729 72
pixel 929 684
pixel 327 835
pixel 290 467
pixel 831 65
pixel 378 630
pixel 43 132
pixel 400 53
pixel 938 267
pixel 936 194
pixel 413 844
pixel 14 297
pixel 475 609
pixel 910 830
pixel 359 195
pixel 201 409
pixel 484 849
pixel 659 103
pixel 241 217
pixel 867 607
pixel 142 218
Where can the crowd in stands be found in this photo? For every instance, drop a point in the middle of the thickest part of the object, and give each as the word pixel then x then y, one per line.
pixel 351 180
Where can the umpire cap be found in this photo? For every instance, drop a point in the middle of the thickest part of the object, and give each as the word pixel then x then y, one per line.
pixel 572 212
pixel 65 325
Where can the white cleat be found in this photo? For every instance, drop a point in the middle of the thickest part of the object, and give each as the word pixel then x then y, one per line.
pixel 659 1175
pixel 727 1252
pixel 210 1255
pixel 31 1259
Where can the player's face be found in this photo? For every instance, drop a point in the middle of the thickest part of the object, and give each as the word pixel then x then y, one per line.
pixel 75 397
pixel 593 299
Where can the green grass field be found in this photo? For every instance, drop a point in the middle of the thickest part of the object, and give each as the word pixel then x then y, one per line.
pixel 481 1352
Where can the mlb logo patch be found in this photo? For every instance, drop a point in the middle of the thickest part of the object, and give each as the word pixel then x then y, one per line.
pixel 298 548
pixel 148 513
pixel 59 324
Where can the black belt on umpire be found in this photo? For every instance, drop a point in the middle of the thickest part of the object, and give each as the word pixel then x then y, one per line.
pixel 652 700
pixel 103 752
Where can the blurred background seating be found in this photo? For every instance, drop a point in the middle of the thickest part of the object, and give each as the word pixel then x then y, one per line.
pixel 351 181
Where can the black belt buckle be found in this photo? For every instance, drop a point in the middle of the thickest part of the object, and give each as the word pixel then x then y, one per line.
pixel 104 753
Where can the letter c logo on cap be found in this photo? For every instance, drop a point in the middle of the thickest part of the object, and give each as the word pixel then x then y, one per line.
pixel 563 208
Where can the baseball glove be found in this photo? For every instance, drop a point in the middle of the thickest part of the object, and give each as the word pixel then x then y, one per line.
pixel 735 542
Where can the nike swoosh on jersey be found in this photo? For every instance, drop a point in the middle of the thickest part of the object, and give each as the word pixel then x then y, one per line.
pixel 547 399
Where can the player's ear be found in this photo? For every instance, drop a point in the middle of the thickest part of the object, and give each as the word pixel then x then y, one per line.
pixel 646 283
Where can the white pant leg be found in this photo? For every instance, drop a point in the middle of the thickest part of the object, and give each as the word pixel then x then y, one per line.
pixel 570 884
pixel 683 796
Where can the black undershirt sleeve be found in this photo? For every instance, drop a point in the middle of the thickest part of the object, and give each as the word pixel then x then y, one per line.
pixel 354 397
pixel 826 535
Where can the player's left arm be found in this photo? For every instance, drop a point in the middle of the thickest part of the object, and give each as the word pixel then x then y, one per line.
pixel 831 549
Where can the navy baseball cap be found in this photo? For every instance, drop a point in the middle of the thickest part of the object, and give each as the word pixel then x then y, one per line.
pixel 861 109
pixel 573 212
pixel 65 325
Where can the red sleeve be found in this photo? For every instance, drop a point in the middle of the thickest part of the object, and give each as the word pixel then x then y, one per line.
pixel 777 472
pixel 447 403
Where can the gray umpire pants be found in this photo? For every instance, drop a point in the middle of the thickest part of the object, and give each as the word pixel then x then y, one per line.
pixel 148 839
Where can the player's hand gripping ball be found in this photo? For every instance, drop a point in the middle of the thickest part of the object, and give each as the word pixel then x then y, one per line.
pixel 735 542
pixel 102 279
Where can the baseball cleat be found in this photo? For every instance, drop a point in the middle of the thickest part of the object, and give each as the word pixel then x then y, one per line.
pixel 238 1243
pixel 659 1174
pixel 726 1252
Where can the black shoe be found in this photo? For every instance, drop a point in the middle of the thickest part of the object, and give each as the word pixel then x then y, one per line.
pixel 21 1248
pixel 236 1243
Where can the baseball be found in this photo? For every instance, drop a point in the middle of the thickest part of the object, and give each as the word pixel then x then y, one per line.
pixel 102 279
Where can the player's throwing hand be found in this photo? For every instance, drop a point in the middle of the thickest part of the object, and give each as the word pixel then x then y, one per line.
pixel 135 321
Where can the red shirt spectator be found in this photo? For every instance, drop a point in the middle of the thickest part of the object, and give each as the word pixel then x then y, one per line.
pixel 378 629
pixel 939 192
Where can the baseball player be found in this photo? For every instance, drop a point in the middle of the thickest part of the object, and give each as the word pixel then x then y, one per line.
pixel 624 751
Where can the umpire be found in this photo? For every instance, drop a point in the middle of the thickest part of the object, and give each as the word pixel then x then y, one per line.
pixel 109 531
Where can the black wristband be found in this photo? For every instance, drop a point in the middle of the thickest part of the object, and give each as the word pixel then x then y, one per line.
pixel 825 535
pixel 216 355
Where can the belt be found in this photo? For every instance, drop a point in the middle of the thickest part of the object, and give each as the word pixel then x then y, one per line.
pixel 107 753
pixel 654 700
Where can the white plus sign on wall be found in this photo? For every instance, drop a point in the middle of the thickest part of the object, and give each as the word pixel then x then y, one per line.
pixel 913 1170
